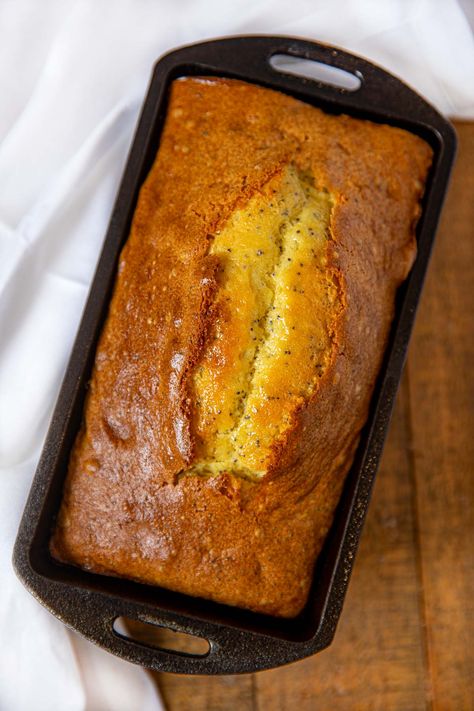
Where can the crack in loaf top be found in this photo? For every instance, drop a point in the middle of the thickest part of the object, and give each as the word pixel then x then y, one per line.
pixel 272 332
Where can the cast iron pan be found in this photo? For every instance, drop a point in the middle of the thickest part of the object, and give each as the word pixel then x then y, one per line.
pixel 239 641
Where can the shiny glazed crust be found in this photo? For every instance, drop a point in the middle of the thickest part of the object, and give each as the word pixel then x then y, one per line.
pixel 135 502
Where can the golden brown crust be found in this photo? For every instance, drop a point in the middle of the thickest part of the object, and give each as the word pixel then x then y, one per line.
pixel 126 511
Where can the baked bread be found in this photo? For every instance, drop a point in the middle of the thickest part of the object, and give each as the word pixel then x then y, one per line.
pixel 250 315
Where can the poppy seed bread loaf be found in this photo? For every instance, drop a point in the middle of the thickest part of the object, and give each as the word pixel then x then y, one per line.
pixel 251 311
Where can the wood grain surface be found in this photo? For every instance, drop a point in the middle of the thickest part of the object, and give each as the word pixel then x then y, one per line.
pixel 406 634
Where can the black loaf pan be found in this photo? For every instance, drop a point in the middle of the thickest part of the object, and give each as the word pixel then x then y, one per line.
pixel 240 641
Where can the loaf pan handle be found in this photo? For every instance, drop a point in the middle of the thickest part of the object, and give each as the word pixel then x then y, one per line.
pixel 378 88
pixel 224 648
pixel 137 651
pixel 379 91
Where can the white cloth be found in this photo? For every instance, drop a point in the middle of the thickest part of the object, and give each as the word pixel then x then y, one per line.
pixel 72 77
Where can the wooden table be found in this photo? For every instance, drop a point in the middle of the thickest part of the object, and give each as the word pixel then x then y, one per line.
pixel 405 638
